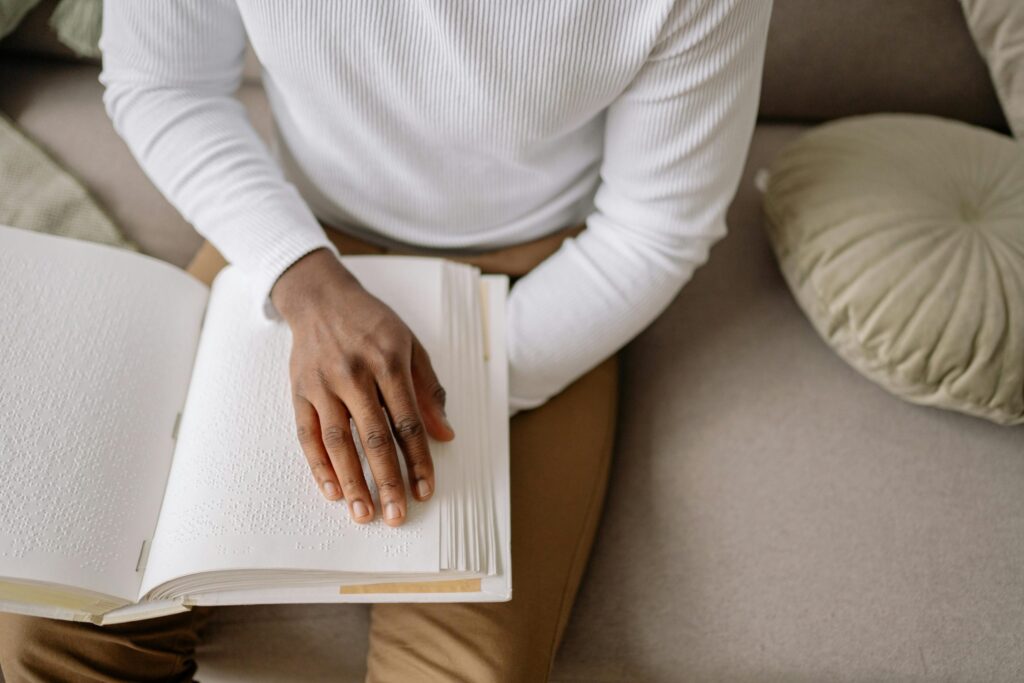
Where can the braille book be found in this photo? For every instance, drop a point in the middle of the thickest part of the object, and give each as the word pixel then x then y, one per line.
pixel 148 458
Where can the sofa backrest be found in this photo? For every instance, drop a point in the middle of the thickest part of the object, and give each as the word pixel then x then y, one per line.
pixel 832 58
pixel 825 59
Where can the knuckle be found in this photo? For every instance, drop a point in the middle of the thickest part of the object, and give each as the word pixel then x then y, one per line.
pixel 302 387
pixel 356 364
pixel 377 441
pixel 336 437
pixel 355 368
pixel 408 427
pixel 392 363
pixel 350 482
pixel 305 434
pixel 421 462
pixel 320 467
pixel 439 394
pixel 368 339
pixel 389 484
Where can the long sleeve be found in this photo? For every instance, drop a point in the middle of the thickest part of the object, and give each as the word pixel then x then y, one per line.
pixel 674 146
pixel 171 68
pixel 390 129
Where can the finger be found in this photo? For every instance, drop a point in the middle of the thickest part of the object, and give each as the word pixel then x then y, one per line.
pixel 407 426
pixel 336 434
pixel 430 395
pixel 380 452
pixel 307 429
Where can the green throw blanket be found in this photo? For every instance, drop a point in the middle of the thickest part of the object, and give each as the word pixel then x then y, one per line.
pixel 77 22
pixel 37 194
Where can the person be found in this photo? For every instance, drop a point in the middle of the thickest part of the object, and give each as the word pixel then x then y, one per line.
pixel 444 126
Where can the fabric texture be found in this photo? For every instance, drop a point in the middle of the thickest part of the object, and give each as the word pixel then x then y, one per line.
pixel 77 23
pixel 12 12
pixel 902 238
pixel 456 126
pixel 34 650
pixel 998 30
pixel 558 481
pixel 37 194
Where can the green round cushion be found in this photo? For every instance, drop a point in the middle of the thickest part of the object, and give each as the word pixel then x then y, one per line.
pixel 902 238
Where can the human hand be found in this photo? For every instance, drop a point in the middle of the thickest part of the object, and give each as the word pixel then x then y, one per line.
pixel 352 356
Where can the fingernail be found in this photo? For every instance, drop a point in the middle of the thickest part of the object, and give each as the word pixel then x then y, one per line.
pixel 330 489
pixel 448 424
pixel 391 511
pixel 423 488
pixel 359 509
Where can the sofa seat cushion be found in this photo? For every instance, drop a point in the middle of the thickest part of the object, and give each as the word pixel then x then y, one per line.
pixel 902 238
pixel 774 516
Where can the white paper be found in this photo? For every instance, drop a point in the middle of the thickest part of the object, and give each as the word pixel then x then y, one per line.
pixel 96 349
pixel 499 586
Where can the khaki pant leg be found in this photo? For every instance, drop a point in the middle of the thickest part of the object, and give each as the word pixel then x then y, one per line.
pixel 560 455
pixel 35 650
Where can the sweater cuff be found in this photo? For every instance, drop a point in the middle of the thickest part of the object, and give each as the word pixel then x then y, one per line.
pixel 284 256
pixel 263 242
pixel 517 404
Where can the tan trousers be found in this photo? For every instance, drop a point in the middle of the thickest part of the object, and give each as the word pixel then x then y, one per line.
pixel 560 455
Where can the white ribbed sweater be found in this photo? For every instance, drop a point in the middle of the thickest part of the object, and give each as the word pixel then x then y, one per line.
pixel 457 124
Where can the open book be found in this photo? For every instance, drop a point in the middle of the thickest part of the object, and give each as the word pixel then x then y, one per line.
pixel 148 459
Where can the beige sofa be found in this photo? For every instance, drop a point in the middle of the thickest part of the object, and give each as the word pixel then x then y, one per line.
pixel 772 515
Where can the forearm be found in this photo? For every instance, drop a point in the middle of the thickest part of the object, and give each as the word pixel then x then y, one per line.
pixel 675 143
pixel 175 109
pixel 586 302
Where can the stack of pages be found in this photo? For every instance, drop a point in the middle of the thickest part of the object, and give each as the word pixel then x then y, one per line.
pixel 148 459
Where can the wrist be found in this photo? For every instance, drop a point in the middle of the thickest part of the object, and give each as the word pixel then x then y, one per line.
pixel 308 282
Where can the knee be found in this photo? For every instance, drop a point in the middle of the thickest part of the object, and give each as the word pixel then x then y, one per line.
pixel 485 642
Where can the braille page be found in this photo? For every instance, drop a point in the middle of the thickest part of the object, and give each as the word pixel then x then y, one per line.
pixel 240 494
pixel 96 350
